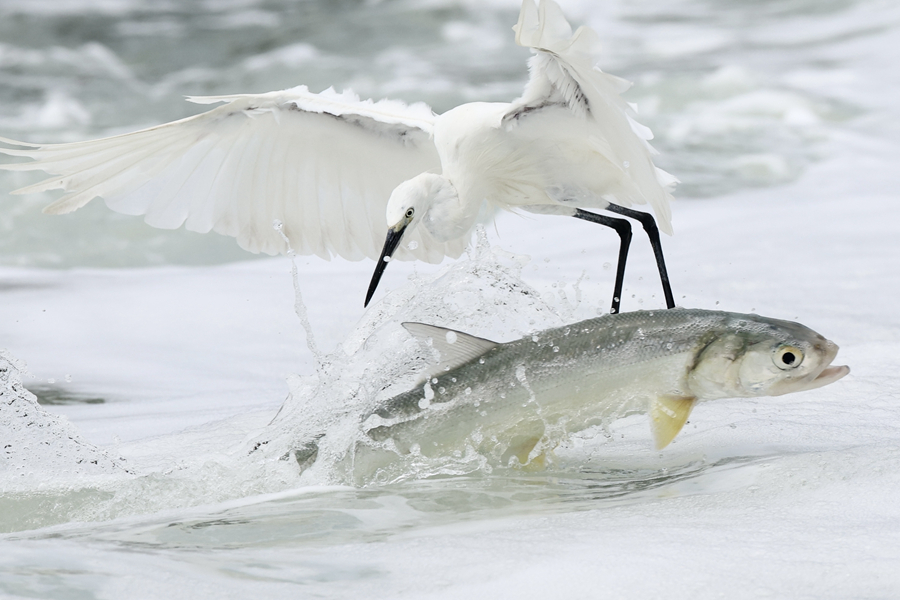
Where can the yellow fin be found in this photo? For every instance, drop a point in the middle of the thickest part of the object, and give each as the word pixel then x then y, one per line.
pixel 521 446
pixel 667 416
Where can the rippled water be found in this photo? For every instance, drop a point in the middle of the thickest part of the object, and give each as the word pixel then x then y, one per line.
pixel 322 516
pixel 739 94
pixel 778 117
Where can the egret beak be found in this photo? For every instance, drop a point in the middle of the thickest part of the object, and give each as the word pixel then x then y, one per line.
pixel 390 244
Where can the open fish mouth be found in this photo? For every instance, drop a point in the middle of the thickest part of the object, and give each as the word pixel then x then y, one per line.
pixel 825 377
pixel 828 375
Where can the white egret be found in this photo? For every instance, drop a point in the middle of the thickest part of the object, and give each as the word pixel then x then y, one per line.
pixel 330 167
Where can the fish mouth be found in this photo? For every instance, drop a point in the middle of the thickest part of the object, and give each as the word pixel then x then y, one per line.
pixel 831 373
pixel 828 375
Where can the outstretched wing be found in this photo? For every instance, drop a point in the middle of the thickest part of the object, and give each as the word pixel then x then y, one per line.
pixel 563 78
pixel 324 165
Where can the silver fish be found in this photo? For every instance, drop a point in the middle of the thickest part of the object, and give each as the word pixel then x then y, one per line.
pixel 519 399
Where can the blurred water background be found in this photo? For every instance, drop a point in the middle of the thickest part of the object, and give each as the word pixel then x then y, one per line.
pixel 739 94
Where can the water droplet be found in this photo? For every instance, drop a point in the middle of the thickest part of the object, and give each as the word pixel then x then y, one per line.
pixel 453 379
pixel 277 225
pixel 442 390
pixel 434 380
pixel 535 338
pixel 626 164
pixel 717 302
pixel 451 337
pixel 556 348
pixel 468 391
pixel 413 245
pixel 386 259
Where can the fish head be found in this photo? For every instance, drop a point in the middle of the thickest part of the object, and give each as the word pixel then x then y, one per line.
pixel 756 356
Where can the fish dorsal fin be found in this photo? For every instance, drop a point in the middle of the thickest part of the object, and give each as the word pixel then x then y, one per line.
pixel 455 347
pixel 668 415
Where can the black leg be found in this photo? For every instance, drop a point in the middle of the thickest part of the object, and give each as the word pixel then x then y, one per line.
pixel 623 228
pixel 652 230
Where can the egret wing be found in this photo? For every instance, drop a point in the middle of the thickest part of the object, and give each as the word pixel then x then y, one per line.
pixel 323 165
pixel 563 78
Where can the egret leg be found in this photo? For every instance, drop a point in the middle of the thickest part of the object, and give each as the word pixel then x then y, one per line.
pixel 646 219
pixel 623 228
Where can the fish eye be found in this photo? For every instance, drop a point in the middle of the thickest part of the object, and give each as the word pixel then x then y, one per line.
pixel 410 212
pixel 788 357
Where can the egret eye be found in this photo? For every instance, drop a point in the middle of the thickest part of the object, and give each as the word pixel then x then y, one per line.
pixel 788 357
pixel 410 212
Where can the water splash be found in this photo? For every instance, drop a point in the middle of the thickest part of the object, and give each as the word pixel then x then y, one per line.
pixel 481 294
pixel 43 458
pixel 299 306
pixel 316 437
pixel 34 440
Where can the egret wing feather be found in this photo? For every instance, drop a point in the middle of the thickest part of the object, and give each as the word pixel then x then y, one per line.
pixel 323 164
pixel 570 99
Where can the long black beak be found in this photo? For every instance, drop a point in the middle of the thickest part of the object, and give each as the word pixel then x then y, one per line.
pixel 390 244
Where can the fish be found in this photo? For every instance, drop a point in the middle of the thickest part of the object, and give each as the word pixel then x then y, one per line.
pixel 514 402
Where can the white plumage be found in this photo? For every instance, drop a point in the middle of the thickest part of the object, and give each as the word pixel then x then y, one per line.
pixel 326 164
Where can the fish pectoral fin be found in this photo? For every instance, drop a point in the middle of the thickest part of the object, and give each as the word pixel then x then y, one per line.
pixel 521 447
pixel 668 414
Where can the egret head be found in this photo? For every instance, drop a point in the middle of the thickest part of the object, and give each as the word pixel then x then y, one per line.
pixel 412 202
